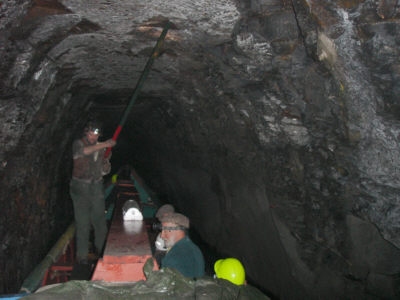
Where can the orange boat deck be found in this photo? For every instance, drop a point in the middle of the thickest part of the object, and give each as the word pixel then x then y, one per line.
pixel 127 249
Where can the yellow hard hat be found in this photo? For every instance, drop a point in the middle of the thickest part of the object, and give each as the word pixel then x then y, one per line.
pixel 114 178
pixel 230 269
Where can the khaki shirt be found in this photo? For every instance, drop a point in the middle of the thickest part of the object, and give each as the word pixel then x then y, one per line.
pixel 87 168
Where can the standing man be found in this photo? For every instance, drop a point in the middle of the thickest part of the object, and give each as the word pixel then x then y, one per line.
pixel 86 188
pixel 183 255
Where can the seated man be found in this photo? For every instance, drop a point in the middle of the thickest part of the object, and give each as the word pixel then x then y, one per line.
pixel 183 255
pixel 160 248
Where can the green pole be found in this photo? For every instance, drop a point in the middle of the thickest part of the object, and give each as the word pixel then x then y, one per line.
pixel 155 53
pixel 33 281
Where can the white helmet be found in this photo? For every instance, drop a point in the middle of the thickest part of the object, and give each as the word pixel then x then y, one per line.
pixel 160 243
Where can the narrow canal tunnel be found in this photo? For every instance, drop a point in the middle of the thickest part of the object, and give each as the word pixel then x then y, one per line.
pixel 274 125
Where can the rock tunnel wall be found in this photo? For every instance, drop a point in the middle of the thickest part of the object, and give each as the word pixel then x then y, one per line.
pixel 272 124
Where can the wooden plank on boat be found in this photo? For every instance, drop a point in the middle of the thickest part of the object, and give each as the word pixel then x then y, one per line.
pixel 127 249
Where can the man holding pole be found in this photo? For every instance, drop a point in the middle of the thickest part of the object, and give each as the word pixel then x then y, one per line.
pixel 86 189
pixel 91 163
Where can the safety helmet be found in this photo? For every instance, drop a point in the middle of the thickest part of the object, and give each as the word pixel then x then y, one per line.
pixel 230 269
pixel 114 178
pixel 93 126
pixel 165 209
pixel 176 218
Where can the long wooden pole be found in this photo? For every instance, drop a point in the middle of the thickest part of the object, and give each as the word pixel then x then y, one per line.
pixel 155 53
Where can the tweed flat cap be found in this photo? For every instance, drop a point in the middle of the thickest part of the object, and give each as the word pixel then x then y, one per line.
pixel 165 209
pixel 176 218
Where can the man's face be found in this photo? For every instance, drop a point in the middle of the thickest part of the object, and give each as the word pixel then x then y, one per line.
pixel 92 137
pixel 169 236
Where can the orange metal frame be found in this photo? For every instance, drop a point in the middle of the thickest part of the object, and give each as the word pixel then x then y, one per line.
pixel 62 269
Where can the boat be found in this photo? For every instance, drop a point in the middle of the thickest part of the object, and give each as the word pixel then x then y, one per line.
pixel 128 244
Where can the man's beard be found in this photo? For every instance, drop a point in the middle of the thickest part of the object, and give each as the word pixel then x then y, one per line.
pixel 170 242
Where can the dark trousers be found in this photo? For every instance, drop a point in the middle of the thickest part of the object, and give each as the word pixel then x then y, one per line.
pixel 89 207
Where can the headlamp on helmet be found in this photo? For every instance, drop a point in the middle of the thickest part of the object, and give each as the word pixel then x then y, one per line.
pixel 94 127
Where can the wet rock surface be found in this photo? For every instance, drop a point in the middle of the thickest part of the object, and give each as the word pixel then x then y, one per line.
pixel 274 125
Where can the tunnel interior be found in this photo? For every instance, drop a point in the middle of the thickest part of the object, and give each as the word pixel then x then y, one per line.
pixel 272 124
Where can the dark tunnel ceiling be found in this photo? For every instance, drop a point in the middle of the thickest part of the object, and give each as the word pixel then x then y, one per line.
pixel 112 98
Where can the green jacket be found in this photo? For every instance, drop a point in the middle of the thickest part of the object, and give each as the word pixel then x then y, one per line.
pixel 185 257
